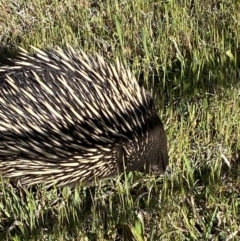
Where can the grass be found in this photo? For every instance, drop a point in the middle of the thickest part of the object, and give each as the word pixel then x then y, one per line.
pixel 187 53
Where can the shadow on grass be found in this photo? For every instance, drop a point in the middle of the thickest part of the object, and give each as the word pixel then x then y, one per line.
pixel 8 52
pixel 46 211
pixel 112 211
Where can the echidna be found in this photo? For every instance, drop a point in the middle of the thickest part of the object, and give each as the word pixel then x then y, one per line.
pixel 66 117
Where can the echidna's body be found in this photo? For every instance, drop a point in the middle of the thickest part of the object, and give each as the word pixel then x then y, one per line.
pixel 66 117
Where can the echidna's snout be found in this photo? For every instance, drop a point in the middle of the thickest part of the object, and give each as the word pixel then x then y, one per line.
pixel 163 159
pixel 158 158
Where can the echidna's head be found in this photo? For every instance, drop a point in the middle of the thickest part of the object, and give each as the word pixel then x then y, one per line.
pixel 156 157
pixel 148 152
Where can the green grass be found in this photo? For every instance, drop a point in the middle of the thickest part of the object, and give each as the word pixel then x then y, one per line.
pixel 187 53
